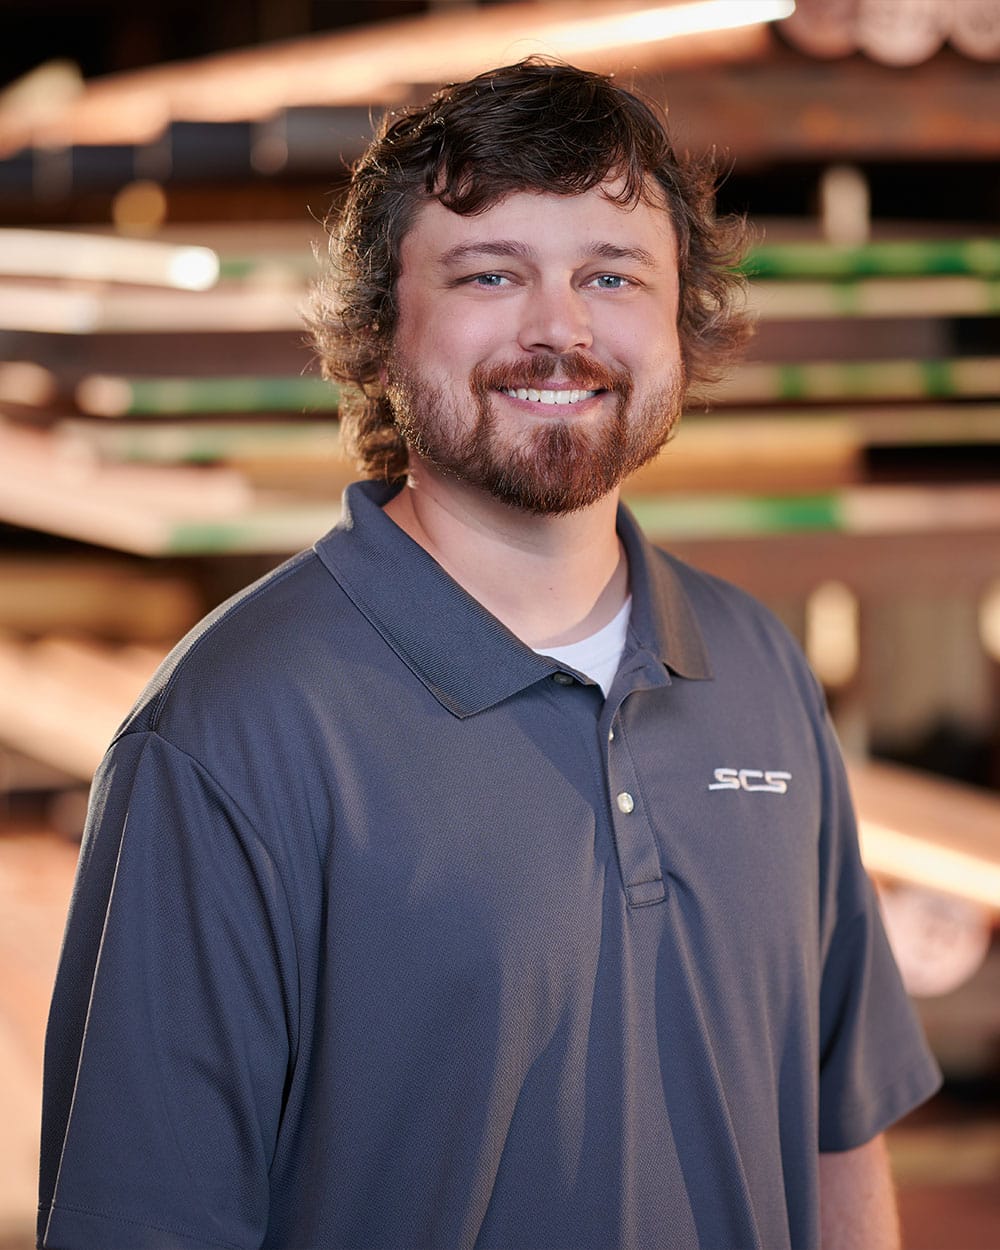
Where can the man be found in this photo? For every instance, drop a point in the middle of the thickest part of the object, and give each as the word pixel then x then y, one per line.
pixel 484 877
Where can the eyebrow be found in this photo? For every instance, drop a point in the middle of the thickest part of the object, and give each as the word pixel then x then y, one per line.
pixel 513 247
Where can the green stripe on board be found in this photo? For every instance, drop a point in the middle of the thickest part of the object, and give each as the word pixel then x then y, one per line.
pixel 938 380
pixel 792 383
pixel 231 395
pixel 196 441
pixel 281 531
pixel 887 258
pixel 114 396
pixel 712 516
pixel 300 264
pixel 827 381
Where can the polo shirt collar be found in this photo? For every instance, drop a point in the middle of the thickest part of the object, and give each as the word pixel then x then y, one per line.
pixel 467 658
pixel 663 619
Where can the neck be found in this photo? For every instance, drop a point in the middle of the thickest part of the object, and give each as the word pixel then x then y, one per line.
pixel 551 580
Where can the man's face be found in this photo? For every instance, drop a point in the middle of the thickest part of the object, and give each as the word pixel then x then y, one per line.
pixel 536 353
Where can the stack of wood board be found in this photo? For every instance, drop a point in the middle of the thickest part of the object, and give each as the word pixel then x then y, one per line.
pixel 199 456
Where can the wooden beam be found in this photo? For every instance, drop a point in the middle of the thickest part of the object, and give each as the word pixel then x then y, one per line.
pixel 378 64
pixel 62 700
pixel 791 108
pixel 97 596
pixel 929 832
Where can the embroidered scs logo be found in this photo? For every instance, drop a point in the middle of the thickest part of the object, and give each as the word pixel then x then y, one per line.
pixel 770 780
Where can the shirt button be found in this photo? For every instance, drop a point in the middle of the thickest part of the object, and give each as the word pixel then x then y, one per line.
pixel 625 802
pixel 562 679
pixel 611 735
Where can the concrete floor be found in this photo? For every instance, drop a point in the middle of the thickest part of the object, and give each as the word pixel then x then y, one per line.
pixel 946 1156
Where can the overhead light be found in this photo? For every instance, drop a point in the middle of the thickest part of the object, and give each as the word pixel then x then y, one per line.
pixel 668 20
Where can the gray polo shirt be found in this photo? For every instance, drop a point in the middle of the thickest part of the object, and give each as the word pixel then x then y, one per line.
pixel 390 933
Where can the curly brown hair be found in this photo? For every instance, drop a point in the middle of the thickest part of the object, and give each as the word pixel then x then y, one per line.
pixel 538 125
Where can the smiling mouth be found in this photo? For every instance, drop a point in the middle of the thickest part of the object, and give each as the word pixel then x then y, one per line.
pixel 547 397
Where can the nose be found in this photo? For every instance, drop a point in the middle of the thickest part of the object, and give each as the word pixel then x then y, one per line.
pixel 556 319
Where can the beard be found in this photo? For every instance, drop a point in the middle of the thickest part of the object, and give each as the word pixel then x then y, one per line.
pixel 552 466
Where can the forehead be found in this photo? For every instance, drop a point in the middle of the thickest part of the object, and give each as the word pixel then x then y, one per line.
pixel 542 225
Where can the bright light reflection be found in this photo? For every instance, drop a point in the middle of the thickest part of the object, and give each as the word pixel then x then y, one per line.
pixel 832 639
pixel 667 21
pixel 194 268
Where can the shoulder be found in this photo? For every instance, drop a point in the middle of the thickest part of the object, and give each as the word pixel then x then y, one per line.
pixel 253 651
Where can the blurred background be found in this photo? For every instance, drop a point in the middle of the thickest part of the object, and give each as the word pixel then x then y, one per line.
pixel 165 170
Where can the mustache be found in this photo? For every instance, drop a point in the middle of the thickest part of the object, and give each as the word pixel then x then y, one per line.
pixel 575 367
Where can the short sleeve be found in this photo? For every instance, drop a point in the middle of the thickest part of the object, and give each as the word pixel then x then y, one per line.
pixel 173 1018
pixel 875 1065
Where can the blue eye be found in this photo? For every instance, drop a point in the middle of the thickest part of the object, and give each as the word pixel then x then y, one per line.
pixel 611 281
pixel 488 279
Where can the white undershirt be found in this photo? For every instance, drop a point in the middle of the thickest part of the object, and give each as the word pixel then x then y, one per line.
pixel 598 656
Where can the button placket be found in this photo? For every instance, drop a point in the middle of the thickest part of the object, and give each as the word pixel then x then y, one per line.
pixel 638 851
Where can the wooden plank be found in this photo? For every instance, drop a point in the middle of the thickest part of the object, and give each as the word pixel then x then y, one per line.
pixel 827 381
pixel 271 352
pixel 105 395
pixel 957 296
pixel 928 831
pixel 40 595
pixel 139 310
pixel 862 510
pixel 35 466
pixel 802 449
pixel 366 65
pixel 750 453
pixel 201 441
pixel 82 256
pixel 792 565
pixel 151 510
pixel 792 108
pixel 62 700
pixel 879 258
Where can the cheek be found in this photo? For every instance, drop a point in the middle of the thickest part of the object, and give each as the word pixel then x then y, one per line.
pixel 441 340
pixel 476 334
pixel 406 339
pixel 646 347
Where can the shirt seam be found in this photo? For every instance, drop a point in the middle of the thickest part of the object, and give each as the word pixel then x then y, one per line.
pixel 252 825
pixel 262 843
pixel 159 703
pixel 115 1217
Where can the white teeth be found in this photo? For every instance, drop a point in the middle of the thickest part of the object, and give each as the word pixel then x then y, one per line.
pixel 548 397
